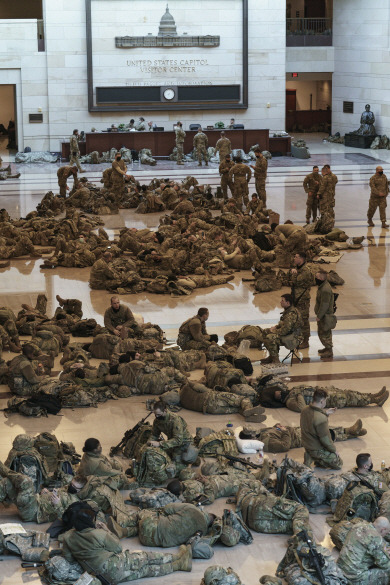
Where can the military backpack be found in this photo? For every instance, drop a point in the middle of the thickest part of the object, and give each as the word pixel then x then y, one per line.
pixel 357 501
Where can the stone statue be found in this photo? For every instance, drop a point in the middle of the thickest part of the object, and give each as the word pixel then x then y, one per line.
pixel 367 120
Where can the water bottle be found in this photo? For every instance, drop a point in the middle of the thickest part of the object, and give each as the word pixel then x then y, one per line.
pixel 383 465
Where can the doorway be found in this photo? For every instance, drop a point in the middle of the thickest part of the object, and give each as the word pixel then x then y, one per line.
pixel 8 130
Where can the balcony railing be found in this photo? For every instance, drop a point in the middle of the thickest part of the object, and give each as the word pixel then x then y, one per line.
pixel 309 32
pixel 41 35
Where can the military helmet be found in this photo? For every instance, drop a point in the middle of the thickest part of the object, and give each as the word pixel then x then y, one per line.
pixel 23 442
pixel 214 574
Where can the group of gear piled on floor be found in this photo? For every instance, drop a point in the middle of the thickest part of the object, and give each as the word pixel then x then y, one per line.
pixel 172 476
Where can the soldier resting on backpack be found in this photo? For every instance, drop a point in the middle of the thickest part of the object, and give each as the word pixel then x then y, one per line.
pixel 144 378
pixel 94 463
pixel 24 374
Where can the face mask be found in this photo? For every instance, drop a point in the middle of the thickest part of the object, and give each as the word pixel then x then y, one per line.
pixel 72 489
pixel 319 282
pixel 371 466
pixel 380 172
pixel 118 158
pixel 159 416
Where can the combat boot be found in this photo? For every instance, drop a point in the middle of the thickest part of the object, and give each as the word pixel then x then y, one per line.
pixel 13 347
pixel 356 430
pixel 381 399
pixel 304 344
pixel 323 350
pixel 385 225
pixel 182 561
pixel 327 354
pixel 60 300
pixel 370 223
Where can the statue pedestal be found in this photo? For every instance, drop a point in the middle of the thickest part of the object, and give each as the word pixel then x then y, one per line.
pixel 358 141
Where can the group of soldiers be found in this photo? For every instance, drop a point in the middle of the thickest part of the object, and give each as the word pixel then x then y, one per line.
pixel 173 477
pixel 169 486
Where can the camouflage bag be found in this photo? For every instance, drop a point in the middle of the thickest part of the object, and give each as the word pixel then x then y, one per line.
pixel 32 546
pixel 357 501
pixel 132 449
pixel 217 575
pixel 59 571
pixel 48 446
pixel 84 328
pixel 47 342
pixel 103 345
pixel 154 467
pixel 339 532
pixel 217 443
pixel 152 497
pixel 234 529
pixel 25 458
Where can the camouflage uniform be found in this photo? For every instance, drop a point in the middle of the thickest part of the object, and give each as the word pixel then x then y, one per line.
pixel 240 175
pixel 146 378
pixel 123 317
pixel 378 184
pixel 277 440
pixel 63 174
pixel 260 172
pixel 311 184
pixel 300 290
pixel 216 486
pixel 118 173
pixel 180 136
pixel 317 440
pixel 290 324
pixel 300 396
pixel 264 512
pixel 101 466
pixel 200 145
pixel 364 559
pixel 193 334
pixel 22 379
pixel 223 170
pixel 74 154
pixel 103 554
pixel 171 525
pixel 178 436
pixel 107 183
pixel 224 147
pixel 326 194
pixel 324 312
pixel 102 276
pixel 196 396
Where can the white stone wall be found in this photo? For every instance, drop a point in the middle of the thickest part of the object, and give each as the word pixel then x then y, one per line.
pixel 362 63
pixel 22 66
pixel 56 80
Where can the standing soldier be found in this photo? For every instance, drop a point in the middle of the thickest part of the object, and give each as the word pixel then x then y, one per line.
pixel 200 145
pixel 63 174
pixel 326 191
pixel 224 147
pixel 324 310
pixel 118 175
pixel 301 280
pixel 224 169
pixel 311 184
pixel 379 186
pixel 180 135
pixel 240 175
pixel 260 175
pixel 74 154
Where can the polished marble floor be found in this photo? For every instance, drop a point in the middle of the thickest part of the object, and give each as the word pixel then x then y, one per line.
pixel 361 340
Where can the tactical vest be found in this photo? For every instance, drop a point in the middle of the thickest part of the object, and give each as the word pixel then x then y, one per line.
pixel 357 501
pixel 217 443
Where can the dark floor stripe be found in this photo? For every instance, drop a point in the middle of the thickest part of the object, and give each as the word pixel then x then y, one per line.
pixel 5 394
pixel 349 358
pixel 345 376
